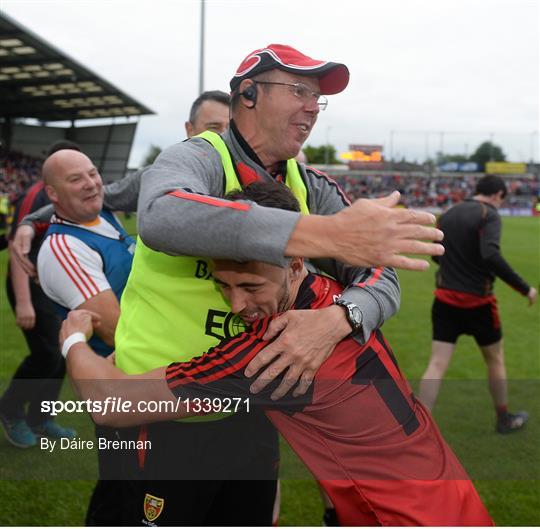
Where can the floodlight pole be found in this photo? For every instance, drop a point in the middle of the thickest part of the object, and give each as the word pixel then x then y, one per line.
pixel 392 149
pixel 201 57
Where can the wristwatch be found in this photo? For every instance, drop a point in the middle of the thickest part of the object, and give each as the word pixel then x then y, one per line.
pixel 353 313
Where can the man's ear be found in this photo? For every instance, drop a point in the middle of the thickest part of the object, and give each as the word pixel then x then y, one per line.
pixel 296 266
pixel 51 193
pixel 189 129
pixel 247 92
pixel 498 198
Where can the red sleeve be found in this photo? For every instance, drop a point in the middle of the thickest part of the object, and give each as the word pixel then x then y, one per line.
pixel 229 358
pixel 219 373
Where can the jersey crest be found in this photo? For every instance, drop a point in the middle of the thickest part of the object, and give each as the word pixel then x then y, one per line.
pixel 153 507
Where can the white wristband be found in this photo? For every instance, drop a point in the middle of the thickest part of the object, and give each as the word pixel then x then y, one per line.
pixel 72 339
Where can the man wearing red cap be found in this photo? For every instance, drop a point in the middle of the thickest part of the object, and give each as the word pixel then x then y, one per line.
pixel 277 94
pixel 333 77
pixel 169 305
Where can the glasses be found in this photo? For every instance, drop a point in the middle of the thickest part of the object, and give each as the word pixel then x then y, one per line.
pixel 303 92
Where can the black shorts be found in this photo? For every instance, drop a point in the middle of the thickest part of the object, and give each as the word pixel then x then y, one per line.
pixel 449 322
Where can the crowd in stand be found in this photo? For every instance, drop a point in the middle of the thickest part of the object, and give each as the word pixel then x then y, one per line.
pixel 18 172
pixel 438 192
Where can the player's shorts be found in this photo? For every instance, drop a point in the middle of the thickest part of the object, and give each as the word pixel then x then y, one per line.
pixel 449 322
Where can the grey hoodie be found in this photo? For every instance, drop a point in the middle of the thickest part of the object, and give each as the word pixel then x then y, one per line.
pixel 181 226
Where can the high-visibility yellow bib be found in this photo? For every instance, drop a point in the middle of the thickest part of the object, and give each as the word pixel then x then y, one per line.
pixel 171 309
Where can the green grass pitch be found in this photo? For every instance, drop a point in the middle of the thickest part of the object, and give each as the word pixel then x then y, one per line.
pixel 39 490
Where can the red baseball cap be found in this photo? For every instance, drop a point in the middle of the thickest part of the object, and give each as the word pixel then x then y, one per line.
pixel 333 76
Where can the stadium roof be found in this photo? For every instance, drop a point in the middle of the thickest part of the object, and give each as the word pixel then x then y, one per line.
pixel 39 81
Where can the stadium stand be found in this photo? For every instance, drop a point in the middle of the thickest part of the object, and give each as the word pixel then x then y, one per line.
pixel 41 83
pixel 17 173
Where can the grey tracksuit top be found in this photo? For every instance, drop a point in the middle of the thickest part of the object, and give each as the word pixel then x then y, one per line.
pixel 180 226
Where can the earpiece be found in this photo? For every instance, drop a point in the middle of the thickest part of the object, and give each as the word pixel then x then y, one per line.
pixel 250 93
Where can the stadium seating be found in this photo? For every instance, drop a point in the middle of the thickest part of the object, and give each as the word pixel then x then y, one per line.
pixel 17 173
pixel 437 192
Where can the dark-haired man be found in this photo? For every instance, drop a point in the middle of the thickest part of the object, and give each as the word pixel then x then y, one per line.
pixel 464 300
pixel 210 111
pixel 372 446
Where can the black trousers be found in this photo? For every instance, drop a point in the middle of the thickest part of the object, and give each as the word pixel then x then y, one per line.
pixel 218 473
pixel 40 375
pixel 113 501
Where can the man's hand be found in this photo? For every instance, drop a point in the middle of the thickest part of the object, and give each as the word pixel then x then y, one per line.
pixel 532 295
pixel 79 321
pixel 307 338
pixel 25 315
pixel 380 233
pixel 20 248
pixel 369 233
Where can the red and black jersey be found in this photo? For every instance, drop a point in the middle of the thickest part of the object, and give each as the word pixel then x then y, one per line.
pixel 359 429
pixel 472 258
pixel 34 198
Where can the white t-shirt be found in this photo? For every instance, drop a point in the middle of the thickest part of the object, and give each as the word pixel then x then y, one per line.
pixel 70 272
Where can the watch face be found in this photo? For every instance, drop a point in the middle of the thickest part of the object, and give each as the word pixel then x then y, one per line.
pixel 356 316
